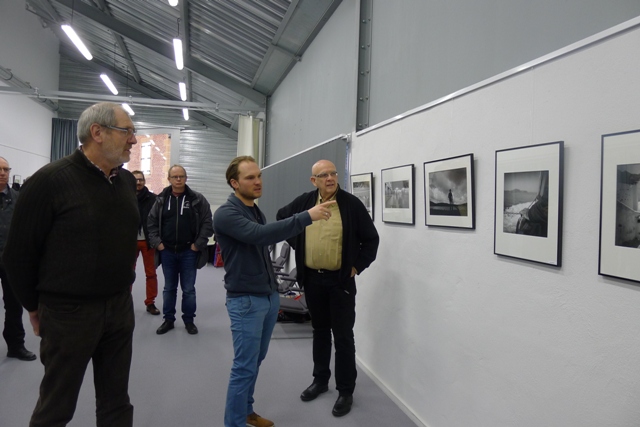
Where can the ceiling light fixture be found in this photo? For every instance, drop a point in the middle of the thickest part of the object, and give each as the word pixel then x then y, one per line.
pixel 109 83
pixel 177 49
pixel 76 41
pixel 185 113
pixel 183 91
pixel 173 3
pixel 128 109
pixel 126 106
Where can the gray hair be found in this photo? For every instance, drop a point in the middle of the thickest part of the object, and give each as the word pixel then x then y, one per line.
pixel 103 113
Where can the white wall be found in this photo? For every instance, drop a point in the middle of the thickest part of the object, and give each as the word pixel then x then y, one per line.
pixel 465 338
pixel 31 52
pixel 317 100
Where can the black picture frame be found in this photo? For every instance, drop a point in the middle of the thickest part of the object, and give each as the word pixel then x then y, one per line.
pixel 619 189
pixel 362 188
pixel 528 203
pixel 449 192
pixel 398 195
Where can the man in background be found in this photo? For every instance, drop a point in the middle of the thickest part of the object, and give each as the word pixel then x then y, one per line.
pixel 146 199
pixel 179 226
pixel 328 256
pixel 13 332
pixel 70 257
pixel 252 297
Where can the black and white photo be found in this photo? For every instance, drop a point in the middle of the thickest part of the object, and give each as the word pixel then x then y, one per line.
pixel 449 192
pixel 619 206
pixel 528 203
pixel 398 194
pixel 362 188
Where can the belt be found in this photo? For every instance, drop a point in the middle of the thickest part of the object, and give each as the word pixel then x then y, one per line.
pixel 322 271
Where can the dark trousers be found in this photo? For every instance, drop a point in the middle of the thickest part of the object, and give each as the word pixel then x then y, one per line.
pixel 332 305
pixel 74 333
pixel 13 332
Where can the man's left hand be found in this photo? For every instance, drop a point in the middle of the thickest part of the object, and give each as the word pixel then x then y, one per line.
pixel 353 271
pixel 194 248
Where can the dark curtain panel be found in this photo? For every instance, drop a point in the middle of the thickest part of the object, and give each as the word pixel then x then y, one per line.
pixel 64 140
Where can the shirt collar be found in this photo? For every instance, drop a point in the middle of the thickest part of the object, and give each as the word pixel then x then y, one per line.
pixel 112 173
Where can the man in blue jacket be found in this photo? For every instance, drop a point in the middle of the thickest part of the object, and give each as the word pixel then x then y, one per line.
pixel 328 257
pixel 252 298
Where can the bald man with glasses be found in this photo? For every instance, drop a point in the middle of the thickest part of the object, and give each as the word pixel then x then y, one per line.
pixel 328 257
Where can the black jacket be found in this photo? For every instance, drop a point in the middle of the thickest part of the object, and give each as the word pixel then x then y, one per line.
pixel 203 222
pixel 359 236
pixel 146 199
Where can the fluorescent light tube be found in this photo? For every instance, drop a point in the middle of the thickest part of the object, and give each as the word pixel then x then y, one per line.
pixel 76 41
pixel 173 3
pixel 128 109
pixel 177 49
pixel 109 84
pixel 183 91
pixel 185 113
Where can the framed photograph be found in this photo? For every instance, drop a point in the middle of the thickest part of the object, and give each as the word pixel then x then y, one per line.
pixel 362 188
pixel 449 192
pixel 398 195
pixel 619 206
pixel 528 203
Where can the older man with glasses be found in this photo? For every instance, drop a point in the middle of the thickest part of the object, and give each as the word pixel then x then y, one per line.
pixel 179 224
pixel 328 257
pixel 69 257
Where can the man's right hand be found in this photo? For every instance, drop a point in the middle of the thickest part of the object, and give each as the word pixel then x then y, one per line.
pixel 35 322
pixel 160 247
pixel 321 211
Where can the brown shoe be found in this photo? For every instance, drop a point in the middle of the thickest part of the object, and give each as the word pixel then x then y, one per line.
pixel 151 308
pixel 256 420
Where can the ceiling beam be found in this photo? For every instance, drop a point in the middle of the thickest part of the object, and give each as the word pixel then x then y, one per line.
pixel 101 68
pixel 165 49
pixel 120 41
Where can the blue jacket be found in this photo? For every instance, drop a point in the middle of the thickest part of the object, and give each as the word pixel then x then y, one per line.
pixel 244 244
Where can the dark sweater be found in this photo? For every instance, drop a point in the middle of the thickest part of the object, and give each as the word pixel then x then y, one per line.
pixel 73 235
pixel 359 236
pixel 244 243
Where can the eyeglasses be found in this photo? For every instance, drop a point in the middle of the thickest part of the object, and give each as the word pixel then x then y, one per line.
pixel 139 179
pixel 178 176
pixel 5 170
pixel 128 131
pixel 326 174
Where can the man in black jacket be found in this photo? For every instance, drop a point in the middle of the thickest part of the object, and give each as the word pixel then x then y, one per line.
pixel 180 224
pixel 13 332
pixel 69 257
pixel 146 199
pixel 328 256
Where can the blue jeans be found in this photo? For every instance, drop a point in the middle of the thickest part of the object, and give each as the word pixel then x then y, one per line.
pixel 252 321
pixel 179 267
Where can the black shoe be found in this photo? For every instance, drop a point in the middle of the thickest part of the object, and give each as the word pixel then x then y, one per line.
pixel 151 308
pixel 191 328
pixel 313 391
pixel 22 354
pixel 166 326
pixel 342 406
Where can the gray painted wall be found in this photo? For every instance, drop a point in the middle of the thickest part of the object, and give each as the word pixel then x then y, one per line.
pixel 317 99
pixel 424 50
